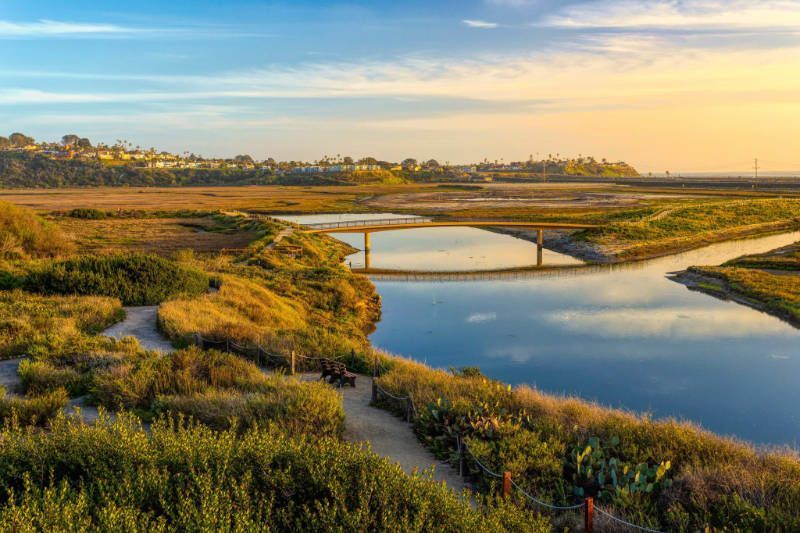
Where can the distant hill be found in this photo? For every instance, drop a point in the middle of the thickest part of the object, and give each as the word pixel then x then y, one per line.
pixel 30 170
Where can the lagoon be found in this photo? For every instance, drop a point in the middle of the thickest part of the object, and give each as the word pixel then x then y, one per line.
pixel 625 336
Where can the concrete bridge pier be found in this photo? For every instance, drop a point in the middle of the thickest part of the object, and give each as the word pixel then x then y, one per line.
pixel 366 250
pixel 539 247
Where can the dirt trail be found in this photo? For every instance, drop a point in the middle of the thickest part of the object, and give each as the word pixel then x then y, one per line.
pixel 140 322
pixel 388 435
pixel 9 379
pixel 285 232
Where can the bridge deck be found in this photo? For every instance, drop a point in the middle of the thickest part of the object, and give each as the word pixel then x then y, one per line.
pixel 373 226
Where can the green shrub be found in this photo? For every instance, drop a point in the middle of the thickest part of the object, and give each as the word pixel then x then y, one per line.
pixel 136 279
pixel 37 410
pixel 296 408
pixel 116 476
pixel 32 324
pixel 39 377
pixel 88 213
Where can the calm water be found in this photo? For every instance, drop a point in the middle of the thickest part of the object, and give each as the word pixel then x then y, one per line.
pixel 626 337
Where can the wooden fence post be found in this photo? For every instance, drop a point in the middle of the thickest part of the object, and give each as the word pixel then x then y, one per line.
pixel 459 447
pixel 588 515
pixel 374 391
pixel 292 367
pixel 408 409
pixel 506 484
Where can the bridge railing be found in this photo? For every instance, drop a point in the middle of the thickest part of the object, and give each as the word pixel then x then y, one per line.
pixel 369 222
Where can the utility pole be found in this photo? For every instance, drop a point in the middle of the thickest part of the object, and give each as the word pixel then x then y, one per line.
pixel 756 167
pixel 544 170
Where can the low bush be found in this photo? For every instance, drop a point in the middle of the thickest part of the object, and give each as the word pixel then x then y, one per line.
pixel 39 377
pixel 116 476
pixel 136 382
pixel 294 407
pixel 36 410
pixel 136 279
pixel 32 323
pixel 87 213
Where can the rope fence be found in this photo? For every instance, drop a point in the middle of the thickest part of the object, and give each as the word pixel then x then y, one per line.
pixel 587 508
pixel 261 354
pixel 257 352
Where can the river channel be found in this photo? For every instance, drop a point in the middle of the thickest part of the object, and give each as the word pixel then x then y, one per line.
pixel 626 336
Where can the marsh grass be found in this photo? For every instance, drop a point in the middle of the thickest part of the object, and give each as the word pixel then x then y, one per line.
pixel 681 227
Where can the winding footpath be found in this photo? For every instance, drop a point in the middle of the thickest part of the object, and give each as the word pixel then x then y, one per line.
pixel 140 322
pixel 386 434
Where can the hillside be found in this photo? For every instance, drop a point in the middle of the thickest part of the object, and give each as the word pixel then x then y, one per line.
pixel 37 171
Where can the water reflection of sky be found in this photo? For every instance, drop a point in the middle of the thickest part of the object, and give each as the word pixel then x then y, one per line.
pixel 627 337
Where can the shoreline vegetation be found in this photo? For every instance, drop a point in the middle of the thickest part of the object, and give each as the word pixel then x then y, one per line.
pixel 653 233
pixel 252 433
pixel 768 282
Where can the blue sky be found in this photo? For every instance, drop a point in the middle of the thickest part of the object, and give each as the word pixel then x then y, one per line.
pixel 665 84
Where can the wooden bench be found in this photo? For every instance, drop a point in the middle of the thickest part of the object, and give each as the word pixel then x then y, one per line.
pixel 336 371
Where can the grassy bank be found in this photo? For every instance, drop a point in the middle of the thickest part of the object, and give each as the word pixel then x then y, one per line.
pixel 769 282
pixel 661 474
pixel 308 303
pixel 671 229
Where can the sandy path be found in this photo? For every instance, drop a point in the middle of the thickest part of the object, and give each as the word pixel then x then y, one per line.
pixel 9 379
pixel 140 322
pixel 388 435
pixel 285 232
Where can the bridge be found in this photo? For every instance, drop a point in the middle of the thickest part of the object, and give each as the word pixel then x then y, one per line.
pixel 392 224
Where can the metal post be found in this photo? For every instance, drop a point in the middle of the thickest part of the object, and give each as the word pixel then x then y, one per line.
pixel 506 484
pixel 588 515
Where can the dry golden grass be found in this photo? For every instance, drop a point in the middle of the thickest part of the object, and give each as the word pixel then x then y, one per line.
pixel 279 199
pixel 241 310
pixel 28 320
pixel 24 235
pixel 153 235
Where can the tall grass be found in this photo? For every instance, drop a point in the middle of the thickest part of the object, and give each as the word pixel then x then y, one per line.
pixel 24 235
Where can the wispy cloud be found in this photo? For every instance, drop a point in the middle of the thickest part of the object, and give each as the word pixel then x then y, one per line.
pixel 477 318
pixel 689 15
pixel 471 23
pixel 54 28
